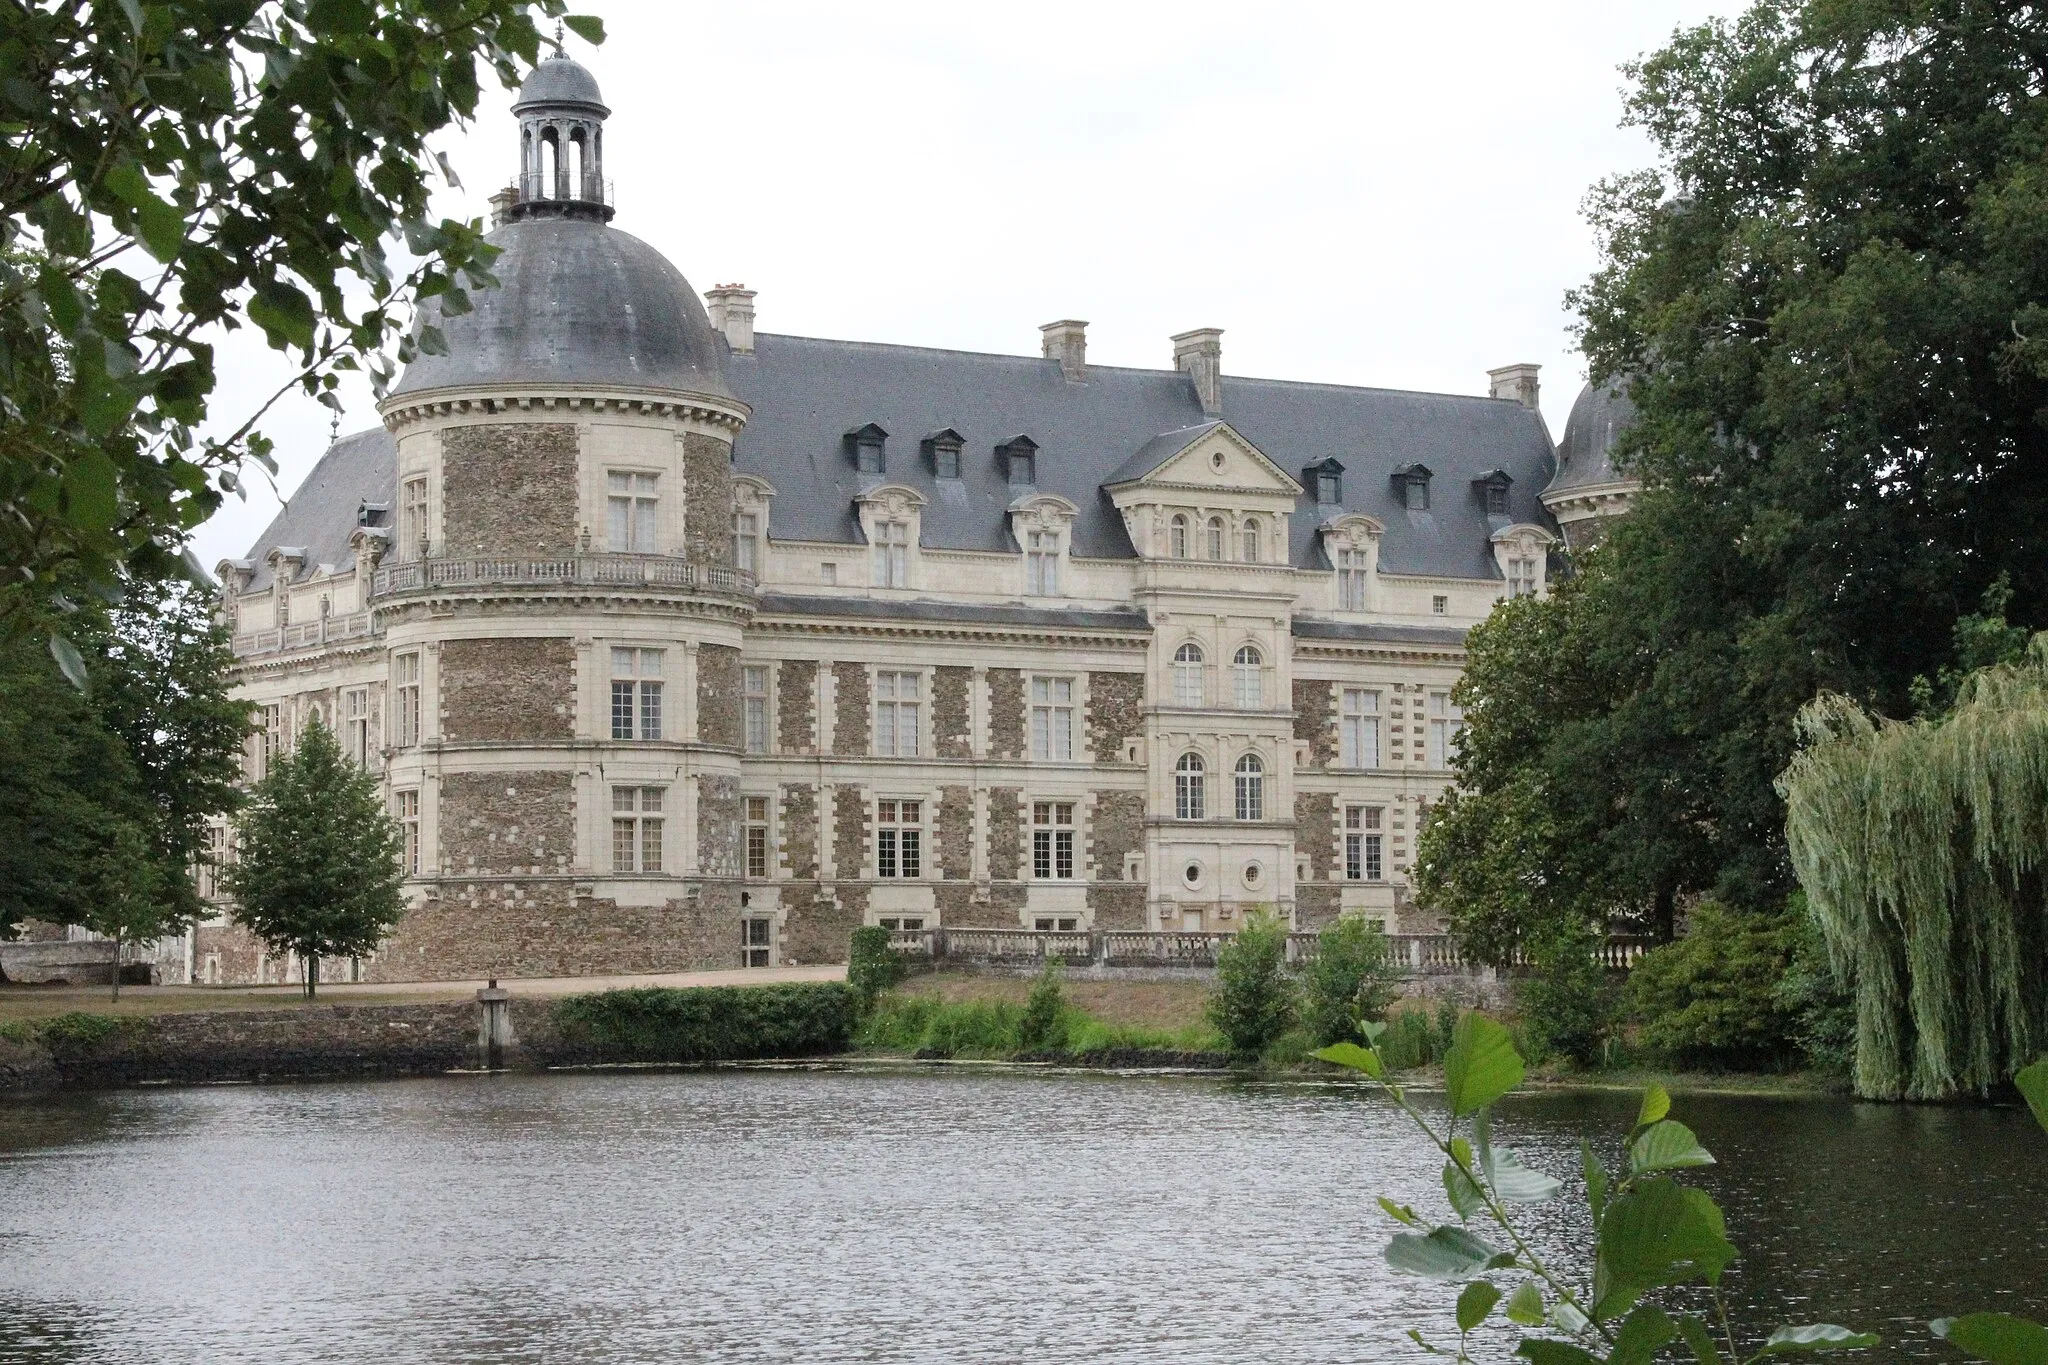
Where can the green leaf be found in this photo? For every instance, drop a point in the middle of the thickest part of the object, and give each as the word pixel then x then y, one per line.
pixel 284 311
pixel 1482 1064
pixel 1700 1340
pixel 2033 1084
pixel 1820 1336
pixel 1999 1338
pixel 1656 1104
pixel 1659 1233
pixel 1565 1318
pixel 1596 1182
pixel 69 661
pixel 1519 1184
pixel 1350 1055
pixel 1400 1213
pixel 1666 1146
pixel 1475 1301
pixel 1373 1029
pixel 1642 1334
pixel 1461 1152
pixel 1525 1305
pixel 1542 1351
pixel 1446 1253
pixel 588 27
pixel 1466 1196
pixel 93 487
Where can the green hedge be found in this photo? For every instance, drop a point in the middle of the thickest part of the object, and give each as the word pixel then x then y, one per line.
pixel 710 1024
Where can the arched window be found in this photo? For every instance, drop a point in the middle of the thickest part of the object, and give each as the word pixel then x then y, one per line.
pixel 1251 788
pixel 1187 787
pixel 1215 537
pixel 1250 677
pixel 1187 676
pixel 1177 538
pixel 549 158
pixel 578 175
pixel 1251 540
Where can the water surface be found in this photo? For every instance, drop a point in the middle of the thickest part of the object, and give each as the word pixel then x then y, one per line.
pixel 850 1216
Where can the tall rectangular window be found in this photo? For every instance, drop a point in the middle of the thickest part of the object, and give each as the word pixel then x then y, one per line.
pixel 1351 580
pixel 892 554
pixel 412 520
pixel 405 700
pixel 754 683
pixel 273 736
pixel 1446 725
pixel 1362 843
pixel 757 836
pixel 1052 719
pixel 636 828
pixel 746 542
pixel 632 504
pixel 408 814
pixel 899 839
pixel 636 693
pixel 1042 560
pixel 355 724
pixel 757 941
pixel 1052 840
pixel 897 714
pixel 1359 729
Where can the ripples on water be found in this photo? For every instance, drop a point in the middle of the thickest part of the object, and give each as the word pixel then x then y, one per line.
pixel 845 1216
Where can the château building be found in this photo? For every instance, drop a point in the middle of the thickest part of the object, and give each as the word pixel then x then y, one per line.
pixel 680 644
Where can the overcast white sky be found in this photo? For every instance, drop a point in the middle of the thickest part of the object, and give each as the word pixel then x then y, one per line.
pixel 1359 193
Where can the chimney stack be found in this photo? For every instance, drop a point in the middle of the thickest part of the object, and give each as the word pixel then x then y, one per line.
pixel 501 205
pixel 1516 382
pixel 1067 342
pixel 1199 355
pixel 732 312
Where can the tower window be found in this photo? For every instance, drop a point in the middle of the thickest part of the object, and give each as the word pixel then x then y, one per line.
pixel 1251 788
pixel 636 694
pixel 636 828
pixel 1187 787
pixel 631 504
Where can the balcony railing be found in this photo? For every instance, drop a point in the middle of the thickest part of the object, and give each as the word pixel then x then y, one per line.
pixel 1415 954
pixel 595 571
pixel 1221 687
pixel 326 630
pixel 539 187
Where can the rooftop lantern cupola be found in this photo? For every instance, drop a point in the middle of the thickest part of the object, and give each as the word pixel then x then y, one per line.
pixel 561 143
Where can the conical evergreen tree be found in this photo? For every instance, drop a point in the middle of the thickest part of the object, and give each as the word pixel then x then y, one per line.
pixel 317 868
pixel 1920 846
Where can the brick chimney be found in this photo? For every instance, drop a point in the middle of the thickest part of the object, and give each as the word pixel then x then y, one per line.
pixel 1067 342
pixel 1199 355
pixel 501 205
pixel 732 312
pixel 1516 382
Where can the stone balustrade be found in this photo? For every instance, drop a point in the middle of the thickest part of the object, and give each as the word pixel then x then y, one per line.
pixel 1415 954
pixel 593 571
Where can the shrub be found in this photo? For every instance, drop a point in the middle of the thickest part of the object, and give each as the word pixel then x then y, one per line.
pixel 717 1023
pixel 1817 997
pixel 871 966
pixel 929 1026
pixel 1253 1002
pixel 1349 979
pixel 1043 1027
pixel 79 1030
pixel 1566 1004
pixel 1712 998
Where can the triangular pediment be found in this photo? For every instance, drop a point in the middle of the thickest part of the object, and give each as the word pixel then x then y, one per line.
pixel 1214 455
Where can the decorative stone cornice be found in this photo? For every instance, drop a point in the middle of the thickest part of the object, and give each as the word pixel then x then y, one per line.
pixel 416 408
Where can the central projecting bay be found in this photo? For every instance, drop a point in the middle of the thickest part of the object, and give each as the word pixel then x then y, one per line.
pixel 769 1215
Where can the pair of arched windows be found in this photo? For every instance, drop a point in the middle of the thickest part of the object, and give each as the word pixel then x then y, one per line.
pixel 1215 538
pixel 1248 672
pixel 1248 788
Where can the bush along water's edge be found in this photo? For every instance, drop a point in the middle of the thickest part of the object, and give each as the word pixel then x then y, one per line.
pixel 705 1024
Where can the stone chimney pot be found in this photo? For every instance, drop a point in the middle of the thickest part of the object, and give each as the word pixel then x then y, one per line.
pixel 732 312
pixel 1199 355
pixel 1515 382
pixel 1067 342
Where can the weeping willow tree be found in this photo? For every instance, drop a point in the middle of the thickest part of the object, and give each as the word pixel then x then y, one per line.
pixel 1921 847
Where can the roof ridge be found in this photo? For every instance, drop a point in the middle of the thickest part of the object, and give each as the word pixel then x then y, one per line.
pixel 1137 369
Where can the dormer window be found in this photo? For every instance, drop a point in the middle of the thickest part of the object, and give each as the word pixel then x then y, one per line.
pixel 942 450
pixel 1411 481
pixel 867 444
pixel 1019 456
pixel 1493 490
pixel 1327 481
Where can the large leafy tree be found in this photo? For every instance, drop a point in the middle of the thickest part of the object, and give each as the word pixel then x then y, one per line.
pixel 1830 303
pixel 176 167
pixel 317 858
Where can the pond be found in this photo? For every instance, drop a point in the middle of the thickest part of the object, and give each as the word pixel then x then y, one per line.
pixel 902 1215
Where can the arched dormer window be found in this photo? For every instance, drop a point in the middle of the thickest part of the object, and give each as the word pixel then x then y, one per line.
pixel 1187 676
pixel 1251 788
pixel 1251 540
pixel 1177 537
pixel 1249 676
pixel 1215 538
pixel 1187 787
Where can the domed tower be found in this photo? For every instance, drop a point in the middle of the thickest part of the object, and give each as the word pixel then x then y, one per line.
pixel 1588 492
pixel 562 616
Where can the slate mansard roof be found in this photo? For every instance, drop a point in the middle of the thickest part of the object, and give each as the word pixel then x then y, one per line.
pixel 807 394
